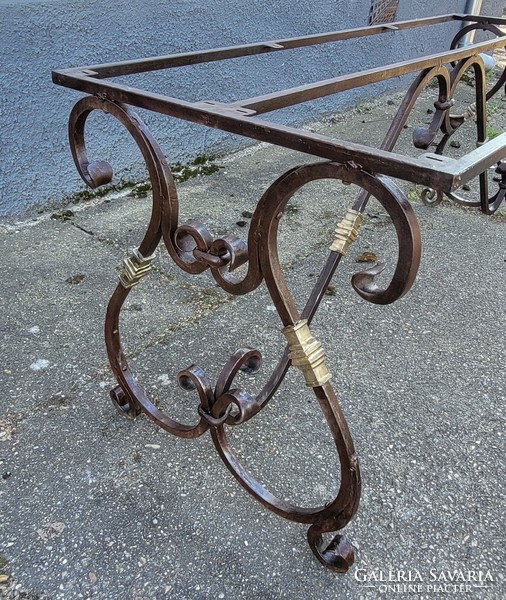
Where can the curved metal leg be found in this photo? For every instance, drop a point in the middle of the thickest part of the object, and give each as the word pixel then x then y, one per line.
pixel 306 353
pixel 446 123
pixel 477 111
pixel 193 249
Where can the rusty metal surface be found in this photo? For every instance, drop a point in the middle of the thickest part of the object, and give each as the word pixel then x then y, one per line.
pixel 193 249
pixel 239 117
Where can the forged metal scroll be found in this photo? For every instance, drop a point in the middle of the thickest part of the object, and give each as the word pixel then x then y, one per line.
pixel 448 123
pixel 194 250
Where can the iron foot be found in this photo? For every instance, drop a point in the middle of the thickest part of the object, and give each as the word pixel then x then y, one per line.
pixel 119 399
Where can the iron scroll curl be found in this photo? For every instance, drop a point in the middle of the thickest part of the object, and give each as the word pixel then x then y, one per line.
pixel 364 283
pixel 409 245
pixel 193 249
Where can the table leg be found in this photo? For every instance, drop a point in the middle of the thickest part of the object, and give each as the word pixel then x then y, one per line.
pixel 194 250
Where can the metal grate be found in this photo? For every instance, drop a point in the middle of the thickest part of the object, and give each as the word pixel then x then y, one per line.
pixel 382 11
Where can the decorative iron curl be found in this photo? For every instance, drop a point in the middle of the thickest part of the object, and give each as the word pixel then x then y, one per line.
pixel 338 555
pixel 193 249
pixel 475 27
pixel 225 405
pixel 498 32
pixel 423 137
pixel 337 513
pixel 443 119
pixel 488 204
pixel 196 250
pixel 389 196
pixel 97 173
pixel 240 405
pixel 431 197
pixel 478 113
pixel 248 360
pixel 194 378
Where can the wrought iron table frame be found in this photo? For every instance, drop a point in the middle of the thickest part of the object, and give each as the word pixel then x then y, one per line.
pixel 193 248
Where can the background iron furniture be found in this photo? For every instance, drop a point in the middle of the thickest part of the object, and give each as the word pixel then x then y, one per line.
pixel 193 248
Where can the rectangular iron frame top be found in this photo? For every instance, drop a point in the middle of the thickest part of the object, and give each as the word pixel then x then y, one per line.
pixel 239 117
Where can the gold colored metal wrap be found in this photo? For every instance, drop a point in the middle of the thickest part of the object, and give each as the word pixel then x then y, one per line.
pixel 306 353
pixel 347 231
pixel 135 267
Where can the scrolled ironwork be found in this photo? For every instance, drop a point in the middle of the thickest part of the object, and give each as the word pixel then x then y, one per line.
pixel 247 360
pixel 446 122
pixel 473 27
pixel 120 401
pixel 195 250
pixel 189 238
pixel 477 112
pixel 431 197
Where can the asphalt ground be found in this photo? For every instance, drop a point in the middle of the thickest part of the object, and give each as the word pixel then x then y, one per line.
pixel 96 506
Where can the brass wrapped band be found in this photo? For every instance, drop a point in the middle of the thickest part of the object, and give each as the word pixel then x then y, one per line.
pixel 306 353
pixel 347 231
pixel 134 268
